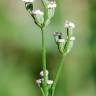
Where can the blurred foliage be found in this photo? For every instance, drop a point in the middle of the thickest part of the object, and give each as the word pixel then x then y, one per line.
pixel 20 49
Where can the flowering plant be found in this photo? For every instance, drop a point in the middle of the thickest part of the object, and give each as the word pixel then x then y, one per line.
pixel 42 19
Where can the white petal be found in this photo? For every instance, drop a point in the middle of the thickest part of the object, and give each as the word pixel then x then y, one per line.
pixel 50 82
pixel 61 40
pixel 38 81
pixel 69 24
pixel 72 38
pixel 38 12
pixel 52 4
pixel 42 74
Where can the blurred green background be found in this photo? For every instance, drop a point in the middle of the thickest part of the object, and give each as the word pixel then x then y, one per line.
pixel 20 49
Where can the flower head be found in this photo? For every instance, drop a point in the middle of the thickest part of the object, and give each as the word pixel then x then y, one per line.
pixel 69 24
pixel 57 36
pixel 37 12
pixel 28 1
pixel 50 82
pixel 72 38
pixel 61 40
pixel 52 4
pixel 39 81
pixel 42 74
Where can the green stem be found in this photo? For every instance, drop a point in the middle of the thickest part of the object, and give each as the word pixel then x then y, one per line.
pixel 58 74
pixel 42 91
pixel 44 62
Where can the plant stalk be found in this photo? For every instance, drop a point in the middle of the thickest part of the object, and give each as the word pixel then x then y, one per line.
pixel 44 62
pixel 58 74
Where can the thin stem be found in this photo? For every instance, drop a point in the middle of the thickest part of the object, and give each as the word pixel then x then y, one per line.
pixel 43 56
pixel 44 62
pixel 58 74
pixel 42 91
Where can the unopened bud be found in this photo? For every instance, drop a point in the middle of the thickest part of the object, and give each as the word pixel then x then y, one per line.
pixel 72 38
pixel 50 82
pixel 38 17
pixel 52 4
pixel 69 24
pixel 42 73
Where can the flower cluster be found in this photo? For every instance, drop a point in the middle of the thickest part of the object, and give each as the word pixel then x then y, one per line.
pixel 69 24
pixel 52 4
pixel 42 19
pixel 41 80
pixel 65 45
pixel 39 17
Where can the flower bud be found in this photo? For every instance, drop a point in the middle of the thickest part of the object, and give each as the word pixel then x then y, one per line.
pixel 52 4
pixel 59 41
pixel 49 82
pixel 38 17
pixel 69 44
pixel 39 81
pixel 42 74
pixel 57 36
pixel 29 7
pixel 51 10
pixel 69 26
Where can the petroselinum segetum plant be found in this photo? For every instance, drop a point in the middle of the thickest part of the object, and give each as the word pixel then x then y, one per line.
pixel 42 20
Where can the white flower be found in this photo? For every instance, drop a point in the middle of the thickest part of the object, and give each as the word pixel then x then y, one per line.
pixel 61 40
pixel 28 1
pixel 72 38
pixel 50 82
pixel 37 12
pixel 42 74
pixel 52 4
pixel 69 24
pixel 38 81
pixel 57 36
